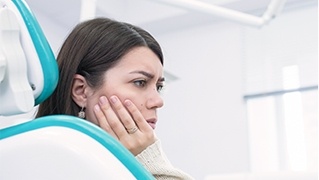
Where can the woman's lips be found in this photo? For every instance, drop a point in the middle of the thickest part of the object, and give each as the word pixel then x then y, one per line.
pixel 152 123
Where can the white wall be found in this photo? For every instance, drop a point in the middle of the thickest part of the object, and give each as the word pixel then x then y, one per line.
pixel 203 125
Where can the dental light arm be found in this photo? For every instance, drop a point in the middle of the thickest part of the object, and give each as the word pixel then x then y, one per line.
pixel 272 11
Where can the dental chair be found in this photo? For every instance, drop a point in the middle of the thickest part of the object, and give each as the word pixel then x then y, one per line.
pixel 51 147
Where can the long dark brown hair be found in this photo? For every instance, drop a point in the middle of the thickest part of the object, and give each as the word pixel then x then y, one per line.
pixel 90 50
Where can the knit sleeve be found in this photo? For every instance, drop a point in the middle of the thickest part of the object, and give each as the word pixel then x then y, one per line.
pixel 156 162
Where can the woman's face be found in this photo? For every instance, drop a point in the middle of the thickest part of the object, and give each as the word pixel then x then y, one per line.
pixel 137 77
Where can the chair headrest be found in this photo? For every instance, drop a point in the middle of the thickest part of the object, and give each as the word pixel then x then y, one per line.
pixel 28 68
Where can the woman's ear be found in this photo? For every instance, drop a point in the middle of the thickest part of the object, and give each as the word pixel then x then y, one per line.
pixel 79 90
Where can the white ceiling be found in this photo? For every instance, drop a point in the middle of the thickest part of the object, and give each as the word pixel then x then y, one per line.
pixel 58 17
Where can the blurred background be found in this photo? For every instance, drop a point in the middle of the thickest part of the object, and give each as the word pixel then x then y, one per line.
pixel 241 100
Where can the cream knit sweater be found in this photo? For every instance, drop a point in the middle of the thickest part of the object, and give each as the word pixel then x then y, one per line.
pixel 156 162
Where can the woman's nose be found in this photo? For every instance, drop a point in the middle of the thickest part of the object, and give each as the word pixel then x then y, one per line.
pixel 154 100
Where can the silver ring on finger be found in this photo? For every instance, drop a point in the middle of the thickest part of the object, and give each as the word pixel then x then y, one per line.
pixel 132 130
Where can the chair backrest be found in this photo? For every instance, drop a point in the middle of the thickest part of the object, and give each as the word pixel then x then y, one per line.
pixel 56 146
pixel 65 147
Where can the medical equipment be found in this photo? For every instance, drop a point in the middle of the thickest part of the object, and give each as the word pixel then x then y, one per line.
pixel 273 10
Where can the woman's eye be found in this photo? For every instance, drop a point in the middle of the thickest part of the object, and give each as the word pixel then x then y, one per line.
pixel 140 83
pixel 160 87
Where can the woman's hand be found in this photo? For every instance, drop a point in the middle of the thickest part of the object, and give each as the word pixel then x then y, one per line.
pixel 124 122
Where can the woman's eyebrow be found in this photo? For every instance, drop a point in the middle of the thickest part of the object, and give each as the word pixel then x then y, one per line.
pixel 144 73
pixel 148 75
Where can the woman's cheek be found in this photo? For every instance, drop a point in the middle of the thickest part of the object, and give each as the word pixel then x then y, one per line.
pixel 90 116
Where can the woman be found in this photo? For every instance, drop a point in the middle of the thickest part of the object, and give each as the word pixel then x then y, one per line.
pixel 111 73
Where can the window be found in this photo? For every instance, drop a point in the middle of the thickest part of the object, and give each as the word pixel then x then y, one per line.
pixel 281 87
pixel 283 127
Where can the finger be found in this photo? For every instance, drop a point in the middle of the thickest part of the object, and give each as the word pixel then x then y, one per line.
pixel 111 117
pixel 137 116
pixel 123 114
pixel 102 121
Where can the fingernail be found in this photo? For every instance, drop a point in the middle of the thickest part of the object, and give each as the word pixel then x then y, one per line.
pixel 113 99
pixel 97 108
pixel 103 100
pixel 127 103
